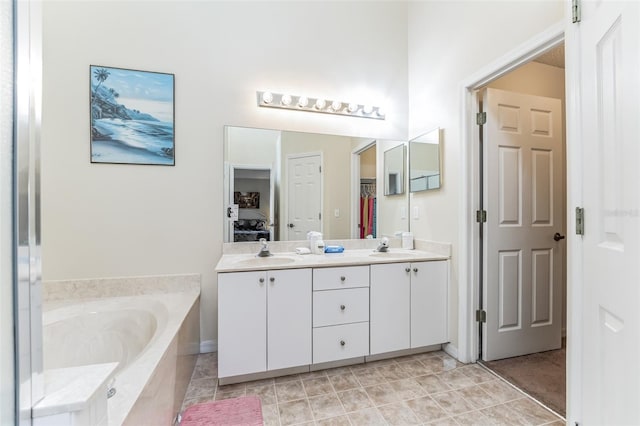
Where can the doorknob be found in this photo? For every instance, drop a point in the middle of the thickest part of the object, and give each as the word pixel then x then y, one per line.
pixel 290 225
pixel 558 237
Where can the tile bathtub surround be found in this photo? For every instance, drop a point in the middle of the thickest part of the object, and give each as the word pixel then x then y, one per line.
pixel 62 290
pixel 429 388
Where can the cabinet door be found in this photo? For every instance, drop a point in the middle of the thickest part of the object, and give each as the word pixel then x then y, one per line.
pixel 242 323
pixel 390 294
pixel 289 318
pixel 429 303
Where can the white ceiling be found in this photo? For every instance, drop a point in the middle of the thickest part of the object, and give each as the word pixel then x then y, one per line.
pixel 554 57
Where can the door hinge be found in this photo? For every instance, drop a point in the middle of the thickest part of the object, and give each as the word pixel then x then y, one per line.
pixel 579 221
pixel 481 315
pixel 319 216
pixel 319 169
pixel 481 118
pixel 575 11
pixel 481 216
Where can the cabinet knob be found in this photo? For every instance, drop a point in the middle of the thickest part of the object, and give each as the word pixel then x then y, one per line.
pixel 342 343
pixel 407 269
pixel 272 279
pixel 342 307
pixel 261 280
pixel 415 269
pixel 343 278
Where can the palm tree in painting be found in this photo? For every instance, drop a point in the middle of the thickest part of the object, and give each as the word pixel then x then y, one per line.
pixel 100 74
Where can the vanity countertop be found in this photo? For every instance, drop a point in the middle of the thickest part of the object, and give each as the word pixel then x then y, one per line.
pixel 291 260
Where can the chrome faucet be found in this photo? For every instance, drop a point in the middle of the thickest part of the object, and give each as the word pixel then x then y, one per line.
pixel 383 246
pixel 264 250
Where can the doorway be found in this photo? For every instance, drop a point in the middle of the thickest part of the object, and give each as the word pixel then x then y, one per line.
pixel 522 274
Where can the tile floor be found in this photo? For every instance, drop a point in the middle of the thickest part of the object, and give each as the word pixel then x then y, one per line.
pixel 430 388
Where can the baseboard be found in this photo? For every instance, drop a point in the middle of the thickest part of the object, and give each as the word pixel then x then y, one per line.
pixel 207 346
pixel 450 349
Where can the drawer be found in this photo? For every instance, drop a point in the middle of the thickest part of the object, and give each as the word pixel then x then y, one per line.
pixel 335 278
pixel 333 307
pixel 340 342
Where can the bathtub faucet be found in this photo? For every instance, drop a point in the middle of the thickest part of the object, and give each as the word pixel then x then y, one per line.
pixel 264 250
pixel 383 246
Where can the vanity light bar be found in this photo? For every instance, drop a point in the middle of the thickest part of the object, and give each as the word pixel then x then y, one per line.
pixel 325 106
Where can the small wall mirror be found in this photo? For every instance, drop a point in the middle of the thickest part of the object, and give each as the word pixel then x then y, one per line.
pixel 424 162
pixel 394 160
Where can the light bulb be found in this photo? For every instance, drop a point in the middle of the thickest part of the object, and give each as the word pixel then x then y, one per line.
pixel 285 100
pixel 381 112
pixel 320 104
pixel 367 109
pixel 303 101
pixel 352 108
pixel 267 97
pixel 336 106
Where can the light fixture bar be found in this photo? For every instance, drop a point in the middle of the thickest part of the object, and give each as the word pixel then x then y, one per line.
pixel 326 106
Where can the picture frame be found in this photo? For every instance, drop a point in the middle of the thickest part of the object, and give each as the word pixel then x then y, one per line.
pixel 247 200
pixel 132 116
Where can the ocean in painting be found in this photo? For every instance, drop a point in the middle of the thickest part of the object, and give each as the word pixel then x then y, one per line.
pixel 131 116
pixel 132 141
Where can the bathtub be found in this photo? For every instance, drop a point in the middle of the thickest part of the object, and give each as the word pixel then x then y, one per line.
pixel 153 338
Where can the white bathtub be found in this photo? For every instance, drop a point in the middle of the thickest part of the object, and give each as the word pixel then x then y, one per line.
pixel 151 337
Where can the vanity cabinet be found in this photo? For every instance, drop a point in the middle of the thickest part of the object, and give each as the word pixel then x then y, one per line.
pixel 390 318
pixel 340 313
pixel 264 321
pixel 278 319
pixel 409 303
pixel 429 303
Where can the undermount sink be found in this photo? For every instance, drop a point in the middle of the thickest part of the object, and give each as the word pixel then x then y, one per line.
pixel 392 255
pixel 272 260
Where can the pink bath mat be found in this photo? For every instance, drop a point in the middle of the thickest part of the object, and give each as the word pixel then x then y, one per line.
pixel 245 411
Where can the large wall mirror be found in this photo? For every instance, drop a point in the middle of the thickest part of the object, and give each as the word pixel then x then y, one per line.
pixel 280 184
pixel 424 162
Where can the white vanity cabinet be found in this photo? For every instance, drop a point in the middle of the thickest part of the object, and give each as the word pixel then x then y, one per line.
pixel 264 321
pixel 390 319
pixel 429 303
pixel 340 313
pixel 408 305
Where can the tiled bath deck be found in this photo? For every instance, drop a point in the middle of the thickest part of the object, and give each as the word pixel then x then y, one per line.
pixel 430 388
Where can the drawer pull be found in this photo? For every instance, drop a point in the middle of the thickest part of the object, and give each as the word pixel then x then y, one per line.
pixel 407 269
pixel 415 269
pixel 272 279
pixel 261 280
pixel 342 307
pixel 342 343
pixel 343 278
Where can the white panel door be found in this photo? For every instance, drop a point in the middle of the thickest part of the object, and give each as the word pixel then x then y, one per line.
pixel 304 196
pixel 390 298
pixel 289 318
pixel 429 303
pixel 608 79
pixel 242 323
pixel 524 202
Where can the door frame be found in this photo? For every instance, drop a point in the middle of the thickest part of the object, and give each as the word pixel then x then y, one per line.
pixel 355 184
pixel 230 169
pixel 469 238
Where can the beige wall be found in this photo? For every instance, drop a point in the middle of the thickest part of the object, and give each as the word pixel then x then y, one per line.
pixel 449 41
pixel 368 163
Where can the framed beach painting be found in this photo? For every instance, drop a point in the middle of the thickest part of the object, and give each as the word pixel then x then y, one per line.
pixel 132 116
